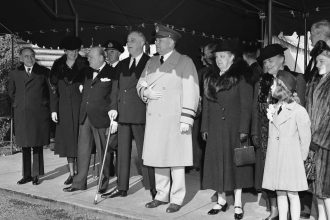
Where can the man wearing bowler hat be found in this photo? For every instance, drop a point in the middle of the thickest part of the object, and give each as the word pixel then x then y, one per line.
pixel 169 86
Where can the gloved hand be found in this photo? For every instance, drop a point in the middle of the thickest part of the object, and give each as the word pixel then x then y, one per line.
pixel 256 141
pixel 243 138
pixel 204 135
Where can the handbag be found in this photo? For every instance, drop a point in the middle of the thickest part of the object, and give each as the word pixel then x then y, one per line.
pixel 310 167
pixel 244 155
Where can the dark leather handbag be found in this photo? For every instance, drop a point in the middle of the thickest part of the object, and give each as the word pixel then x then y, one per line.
pixel 244 155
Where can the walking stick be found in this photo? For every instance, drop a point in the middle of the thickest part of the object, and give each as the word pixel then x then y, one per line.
pixel 104 157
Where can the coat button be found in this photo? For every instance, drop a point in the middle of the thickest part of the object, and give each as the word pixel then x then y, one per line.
pixel 125 90
pixel 223 109
pixel 86 102
pixel 277 138
pixel 223 118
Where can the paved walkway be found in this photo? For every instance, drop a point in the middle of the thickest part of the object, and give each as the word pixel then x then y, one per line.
pixel 196 204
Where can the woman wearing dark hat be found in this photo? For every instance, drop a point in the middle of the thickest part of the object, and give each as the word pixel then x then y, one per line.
pixel 225 122
pixel 66 77
pixel 273 59
pixel 317 105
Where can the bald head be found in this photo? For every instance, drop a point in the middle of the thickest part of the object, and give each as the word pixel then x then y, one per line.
pixel 96 57
pixel 320 31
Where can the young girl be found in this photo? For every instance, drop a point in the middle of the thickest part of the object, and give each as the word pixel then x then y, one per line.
pixel 288 145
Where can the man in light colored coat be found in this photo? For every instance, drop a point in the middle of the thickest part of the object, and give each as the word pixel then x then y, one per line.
pixel 169 86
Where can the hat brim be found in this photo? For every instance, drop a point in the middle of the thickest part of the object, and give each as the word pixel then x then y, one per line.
pixel 265 56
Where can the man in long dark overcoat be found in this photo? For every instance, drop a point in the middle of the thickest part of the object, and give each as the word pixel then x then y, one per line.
pixel 131 116
pixel 29 91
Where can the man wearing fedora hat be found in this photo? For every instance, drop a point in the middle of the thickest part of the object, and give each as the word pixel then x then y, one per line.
pixel 169 86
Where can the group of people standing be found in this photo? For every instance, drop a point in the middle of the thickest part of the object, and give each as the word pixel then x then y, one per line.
pixel 167 106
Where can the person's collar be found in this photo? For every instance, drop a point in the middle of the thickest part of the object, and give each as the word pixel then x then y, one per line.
pixel 101 67
pixel 137 59
pixel 26 67
pixel 167 55
pixel 114 64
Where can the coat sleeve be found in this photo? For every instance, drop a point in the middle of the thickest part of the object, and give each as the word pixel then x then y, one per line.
pixel 11 86
pixel 301 88
pixel 205 115
pixel 114 92
pixel 304 131
pixel 190 92
pixel 255 113
pixel 246 96
pixel 54 95
pixel 141 85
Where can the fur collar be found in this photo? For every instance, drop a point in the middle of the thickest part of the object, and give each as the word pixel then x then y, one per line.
pixel 215 83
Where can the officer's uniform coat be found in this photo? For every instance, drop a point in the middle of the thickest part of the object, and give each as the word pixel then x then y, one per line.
pixel 176 79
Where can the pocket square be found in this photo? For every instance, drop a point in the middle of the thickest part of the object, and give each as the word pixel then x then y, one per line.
pixel 105 80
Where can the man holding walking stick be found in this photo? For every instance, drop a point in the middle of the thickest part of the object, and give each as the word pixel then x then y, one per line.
pixel 97 109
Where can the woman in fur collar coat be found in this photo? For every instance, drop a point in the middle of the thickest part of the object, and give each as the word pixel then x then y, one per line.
pixel 318 108
pixel 67 77
pixel 226 121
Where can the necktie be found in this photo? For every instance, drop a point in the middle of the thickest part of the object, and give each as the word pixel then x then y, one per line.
pixel 132 67
pixel 95 73
pixel 161 59
pixel 28 70
pixel 279 110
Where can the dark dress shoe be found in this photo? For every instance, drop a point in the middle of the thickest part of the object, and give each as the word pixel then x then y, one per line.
pixel 238 216
pixel 101 191
pixel 35 181
pixel 153 193
pixel 173 208
pixel 24 180
pixel 272 218
pixel 69 180
pixel 222 208
pixel 113 194
pixel 70 189
pixel 305 215
pixel 154 203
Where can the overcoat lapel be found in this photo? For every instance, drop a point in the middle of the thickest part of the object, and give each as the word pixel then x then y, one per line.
pixel 285 115
pixel 156 71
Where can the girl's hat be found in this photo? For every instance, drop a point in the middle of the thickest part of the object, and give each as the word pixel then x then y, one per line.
pixel 288 79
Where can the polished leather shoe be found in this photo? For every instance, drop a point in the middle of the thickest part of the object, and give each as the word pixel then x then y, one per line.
pixel 222 208
pixel 272 218
pixel 69 180
pixel 153 193
pixel 35 180
pixel 238 216
pixel 24 180
pixel 305 215
pixel 101 191
pixel 115 193
pixel 70 189
pixel 154 203
pixel 173 208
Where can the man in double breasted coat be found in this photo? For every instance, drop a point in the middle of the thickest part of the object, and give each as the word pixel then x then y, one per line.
pixel 29 90
pixel 169 86
pixel 131 116
pixel 96 111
